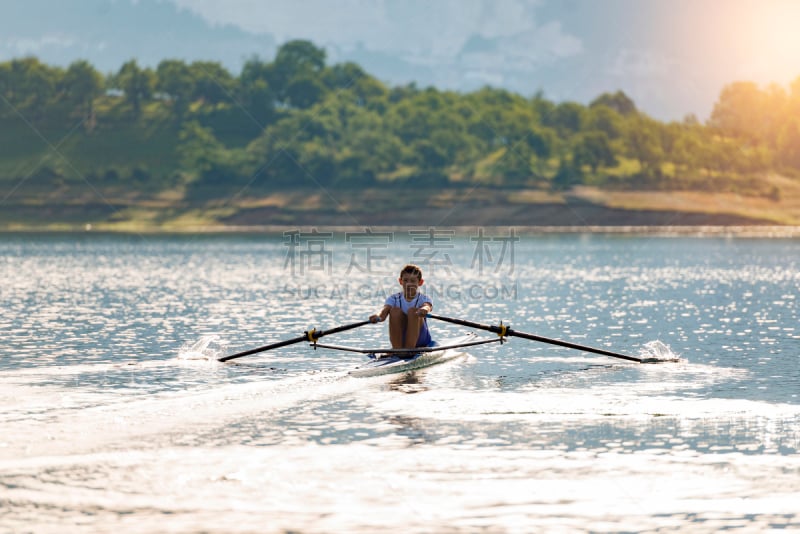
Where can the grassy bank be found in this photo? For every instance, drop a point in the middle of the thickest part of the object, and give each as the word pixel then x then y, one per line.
pixel 82 205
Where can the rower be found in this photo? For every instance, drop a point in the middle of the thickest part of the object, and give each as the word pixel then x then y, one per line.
pixel 407 310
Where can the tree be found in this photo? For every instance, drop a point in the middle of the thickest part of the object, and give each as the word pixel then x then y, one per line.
pixel 642 142
pixel 255 92
pixel 174 78
pixel 304 91
pixel 295 59
pixel 198 148
pixel 789 144
pixel 542 141
pixel 568 118
pixel 515 165
pixel 428 155
pixel 739 112
pixel 569 174
pixel 137 84
pixel 619 102
pixel 686 152
pixel 350 77
pixel 603 118
pixel 593 149
pixel 83 84
pixel 31 85
pixel 212 82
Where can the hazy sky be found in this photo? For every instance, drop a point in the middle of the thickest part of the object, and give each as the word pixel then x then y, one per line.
pixel 671 56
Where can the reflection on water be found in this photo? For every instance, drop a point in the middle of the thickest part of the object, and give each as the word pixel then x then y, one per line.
pixel 408 383
pixel 115 412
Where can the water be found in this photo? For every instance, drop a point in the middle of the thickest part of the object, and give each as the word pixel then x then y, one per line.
pixel 116 416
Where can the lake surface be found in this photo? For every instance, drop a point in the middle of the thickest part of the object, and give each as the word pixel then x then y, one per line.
pixel 116 416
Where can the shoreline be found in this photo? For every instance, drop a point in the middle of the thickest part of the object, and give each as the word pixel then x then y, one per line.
pixel 734 231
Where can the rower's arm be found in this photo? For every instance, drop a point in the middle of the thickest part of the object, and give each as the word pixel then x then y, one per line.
pixel 381 315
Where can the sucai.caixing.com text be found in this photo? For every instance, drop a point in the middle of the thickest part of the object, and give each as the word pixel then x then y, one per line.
pixel 451 292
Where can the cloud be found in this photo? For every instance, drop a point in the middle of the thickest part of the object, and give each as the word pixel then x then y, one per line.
pixel 412 28
pixel 22 46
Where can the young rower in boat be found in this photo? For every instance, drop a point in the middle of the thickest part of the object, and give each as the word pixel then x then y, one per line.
pixel 406 311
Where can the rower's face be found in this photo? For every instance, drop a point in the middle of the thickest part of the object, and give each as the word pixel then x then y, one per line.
pixel 410 283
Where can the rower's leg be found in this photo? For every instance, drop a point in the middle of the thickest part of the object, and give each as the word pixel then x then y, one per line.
pixel 413 326
pixel 397 325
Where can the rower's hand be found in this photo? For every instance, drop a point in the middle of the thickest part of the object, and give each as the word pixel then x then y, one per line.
pixel 375 318
pixel 422 312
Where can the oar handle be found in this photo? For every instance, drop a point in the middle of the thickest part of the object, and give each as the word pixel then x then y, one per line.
pixel 309 335
pixel 503 330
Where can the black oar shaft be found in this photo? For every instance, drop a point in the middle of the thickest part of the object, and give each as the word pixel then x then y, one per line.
pixel 277 345
pixel 311 335
pixel 502 330
pixel 573 346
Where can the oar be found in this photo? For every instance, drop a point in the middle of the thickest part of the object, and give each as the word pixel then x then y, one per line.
pixel 310 335
pixel 503 330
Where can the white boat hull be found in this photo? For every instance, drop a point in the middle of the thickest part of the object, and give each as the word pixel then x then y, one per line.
pixel 390 364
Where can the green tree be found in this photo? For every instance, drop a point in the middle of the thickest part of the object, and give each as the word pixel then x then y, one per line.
pixel 213 83
pixel 789 144
pixel 594 149
pixel 428 155
pixel 515 167
pixel 366 90
pixel 198 148
pixel 83 84
pixel 174 78
pixel 295 59
pixel 619 102
pixel 542 142
pixel 739 112
pixel 642 143
pixel 256 94
pixel 137 84
pixel 568 119
pixel 603 118
pixel 686 152
pixel 568 175
pixel 30 86
pixel 304 91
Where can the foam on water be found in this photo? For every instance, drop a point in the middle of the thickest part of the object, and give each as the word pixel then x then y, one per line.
pixel 208 347
pixel 656 351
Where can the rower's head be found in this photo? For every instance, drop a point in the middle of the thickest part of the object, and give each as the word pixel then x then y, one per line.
pixel 410 279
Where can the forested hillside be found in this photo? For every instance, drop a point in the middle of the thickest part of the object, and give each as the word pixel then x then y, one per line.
pixel 197 132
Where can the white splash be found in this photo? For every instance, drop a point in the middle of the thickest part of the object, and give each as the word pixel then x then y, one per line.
pixel 656 351
pixel 208 347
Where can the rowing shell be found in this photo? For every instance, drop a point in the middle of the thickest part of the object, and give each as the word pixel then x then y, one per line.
pixel 392 362
pixel 385 361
